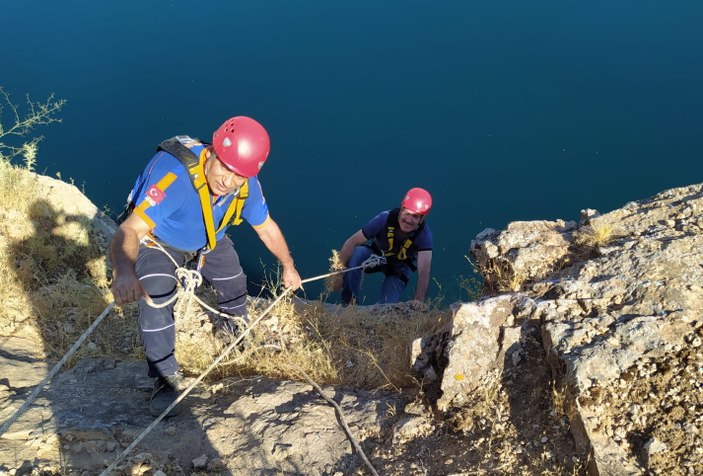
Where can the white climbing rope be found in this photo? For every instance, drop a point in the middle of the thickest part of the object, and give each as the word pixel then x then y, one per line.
pixel 190 279
pixel 372 261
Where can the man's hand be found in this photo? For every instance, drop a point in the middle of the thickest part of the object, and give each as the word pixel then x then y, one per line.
pixel 417 304
pixel 126 288
pixel 291 278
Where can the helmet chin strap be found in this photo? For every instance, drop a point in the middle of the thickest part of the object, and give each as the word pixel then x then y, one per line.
pixel 208 156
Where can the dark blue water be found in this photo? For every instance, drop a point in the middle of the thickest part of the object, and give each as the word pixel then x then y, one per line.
pixel 503 110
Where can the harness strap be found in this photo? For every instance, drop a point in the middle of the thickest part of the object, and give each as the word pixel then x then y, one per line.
pixel 403 253
pixel 390 234
pixel 235 208
pixel 197 174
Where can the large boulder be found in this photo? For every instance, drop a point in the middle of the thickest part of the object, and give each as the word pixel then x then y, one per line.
pixel 619 300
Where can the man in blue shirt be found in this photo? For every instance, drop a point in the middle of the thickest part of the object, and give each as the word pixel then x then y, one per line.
pixel 182 203
pixel 404 238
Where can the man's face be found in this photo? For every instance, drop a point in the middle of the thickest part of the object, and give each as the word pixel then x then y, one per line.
pixel 409 221
pixel 220 179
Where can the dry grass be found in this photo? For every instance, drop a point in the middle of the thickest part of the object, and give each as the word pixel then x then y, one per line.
pixel 52 275
pixel 371 345
pixel 499 276
pixel 353 346
pixel 596 234
pixel 590 239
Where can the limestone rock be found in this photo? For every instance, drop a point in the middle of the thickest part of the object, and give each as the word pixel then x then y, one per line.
pixel 67 198
pixel 477 346
pixel 619 300
pixel 525 251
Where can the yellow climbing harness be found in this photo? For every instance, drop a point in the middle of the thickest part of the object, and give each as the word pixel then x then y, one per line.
pixel 180 147
pixel 402 254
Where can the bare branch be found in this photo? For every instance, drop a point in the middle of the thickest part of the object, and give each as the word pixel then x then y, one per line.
pixel 37 113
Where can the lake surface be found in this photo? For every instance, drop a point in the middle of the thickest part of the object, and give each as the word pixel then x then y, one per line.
pixel 503 110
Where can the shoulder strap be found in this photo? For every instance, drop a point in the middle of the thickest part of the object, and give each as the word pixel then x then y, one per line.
pixel 391 225
pixel 180 148
pixel 392 219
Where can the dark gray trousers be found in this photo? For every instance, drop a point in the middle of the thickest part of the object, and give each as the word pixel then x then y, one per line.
pixel 157 276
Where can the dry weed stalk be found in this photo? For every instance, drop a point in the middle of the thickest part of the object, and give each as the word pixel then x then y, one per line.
pixel 473 287
pixel 331 281
pixel 335 263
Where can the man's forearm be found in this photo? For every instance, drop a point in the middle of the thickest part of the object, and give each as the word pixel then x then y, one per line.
pixel 124 250
pixel 345 253
pixel 423 282
pixel 348 247
pixel 424 264
pixel 273 239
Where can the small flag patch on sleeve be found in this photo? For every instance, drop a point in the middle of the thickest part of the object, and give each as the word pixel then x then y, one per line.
pixel 154 195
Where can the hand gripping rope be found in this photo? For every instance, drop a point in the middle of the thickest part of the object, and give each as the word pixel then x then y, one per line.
pixel 190 280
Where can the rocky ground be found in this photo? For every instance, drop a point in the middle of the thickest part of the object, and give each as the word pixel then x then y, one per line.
pixel 90 413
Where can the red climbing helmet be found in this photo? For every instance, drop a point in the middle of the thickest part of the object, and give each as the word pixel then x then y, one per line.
pixel 417 200
pixel 242 144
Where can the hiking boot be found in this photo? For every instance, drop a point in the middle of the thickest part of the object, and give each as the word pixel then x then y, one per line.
pixel 228 330
pixel 224 325
pixel 166 391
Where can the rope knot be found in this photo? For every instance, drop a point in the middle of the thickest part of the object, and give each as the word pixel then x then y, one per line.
pixel 373 261
pixel 190 279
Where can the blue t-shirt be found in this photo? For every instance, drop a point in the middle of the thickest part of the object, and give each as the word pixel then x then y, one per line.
pixel 164 197
pixel 376 230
